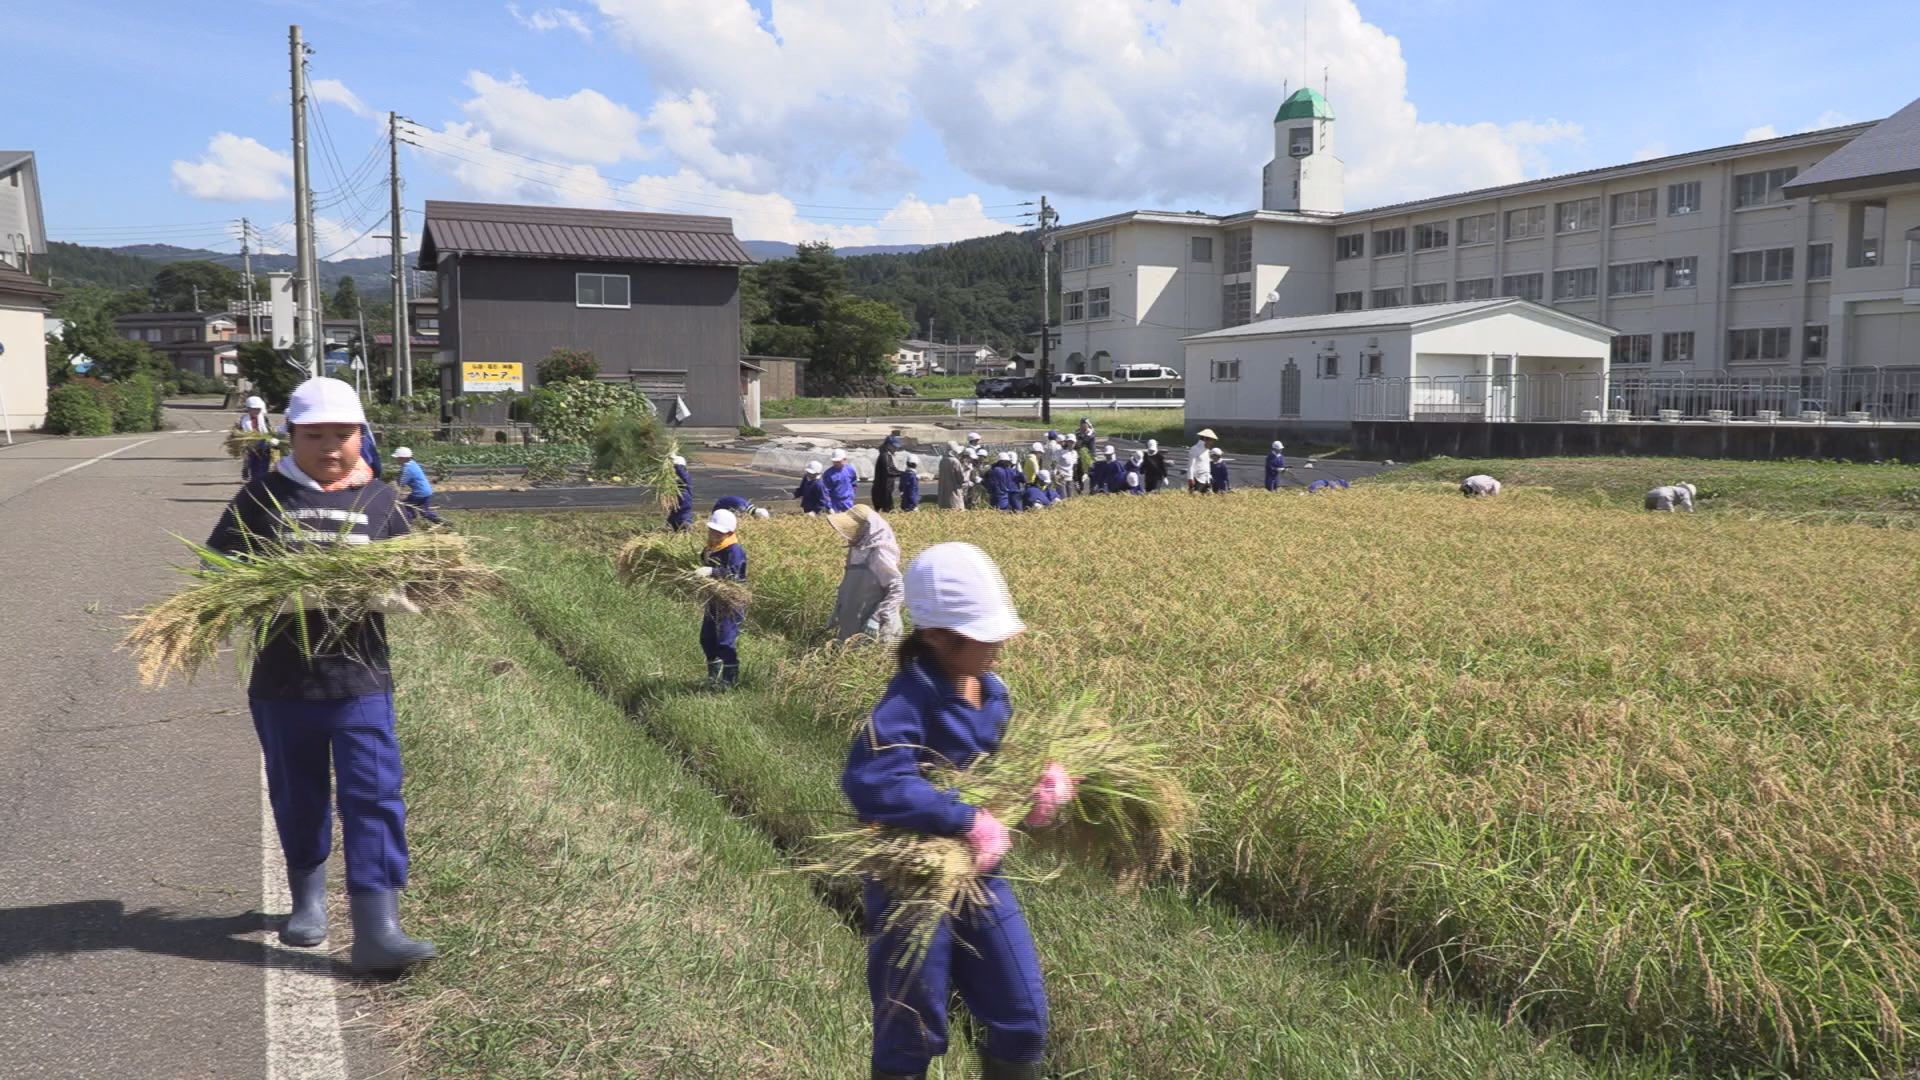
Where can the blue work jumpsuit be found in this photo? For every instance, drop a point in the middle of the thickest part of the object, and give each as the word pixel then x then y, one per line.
pixel 719 626
pixel 1276 461
pixel 680 518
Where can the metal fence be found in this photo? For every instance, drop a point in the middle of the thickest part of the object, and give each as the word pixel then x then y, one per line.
pixel 1869 395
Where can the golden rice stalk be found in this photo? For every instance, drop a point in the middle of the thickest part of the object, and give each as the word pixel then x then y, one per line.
pixel 338 583
pixel 239 442
pixel 673 561
pixel 661 480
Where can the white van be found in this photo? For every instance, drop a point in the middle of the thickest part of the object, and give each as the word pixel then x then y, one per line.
pixel 1140 372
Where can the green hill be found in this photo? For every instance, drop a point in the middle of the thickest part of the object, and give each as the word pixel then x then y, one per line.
pixel 982 290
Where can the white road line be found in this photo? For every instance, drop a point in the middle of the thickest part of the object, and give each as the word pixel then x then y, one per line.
pixel 303 1014
pixel 93 461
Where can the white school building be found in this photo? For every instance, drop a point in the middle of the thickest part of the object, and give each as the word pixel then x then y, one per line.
pixel 1795 260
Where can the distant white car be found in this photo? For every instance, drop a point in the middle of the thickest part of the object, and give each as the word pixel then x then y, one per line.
pixel 1141 372
pixel 1069 379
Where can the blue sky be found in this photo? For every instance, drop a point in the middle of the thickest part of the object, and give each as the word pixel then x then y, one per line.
pixel 881 121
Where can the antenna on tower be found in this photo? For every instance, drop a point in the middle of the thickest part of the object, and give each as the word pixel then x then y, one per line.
pixel 1326 84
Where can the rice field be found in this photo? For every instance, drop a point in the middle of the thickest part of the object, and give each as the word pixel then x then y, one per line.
pixel 1651 782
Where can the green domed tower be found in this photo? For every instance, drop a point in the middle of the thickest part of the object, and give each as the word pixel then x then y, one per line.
pixel 1304 175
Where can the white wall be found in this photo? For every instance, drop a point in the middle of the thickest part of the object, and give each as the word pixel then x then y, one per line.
pixel 14 219
pixel 1255 399
pixel 1511 332
pixel 23 367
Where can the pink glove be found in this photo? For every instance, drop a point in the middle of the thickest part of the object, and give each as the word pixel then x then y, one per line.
pixel 989 840
pixel 1054 790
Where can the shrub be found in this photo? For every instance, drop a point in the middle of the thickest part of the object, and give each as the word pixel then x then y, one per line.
pixel 567 365
pixel 625 445
pixel 135 403
pixel 570 411
pixel 77 408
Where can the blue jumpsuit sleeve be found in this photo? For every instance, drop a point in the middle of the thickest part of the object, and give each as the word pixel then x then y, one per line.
pixel 734 563
pixel 883 779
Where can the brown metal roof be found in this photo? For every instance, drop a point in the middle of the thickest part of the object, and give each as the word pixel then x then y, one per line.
pixel 551 232
pixel 24 286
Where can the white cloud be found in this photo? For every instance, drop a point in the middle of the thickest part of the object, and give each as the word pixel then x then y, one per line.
pixel 1155 101
pixel 1829 119
pixel 235 169
pixel 1760 134
pixel 584 126
pixel 1655 149
pixel 546 19
pixel 335 92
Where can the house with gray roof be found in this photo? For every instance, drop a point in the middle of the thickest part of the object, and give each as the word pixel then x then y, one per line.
pixel 655 298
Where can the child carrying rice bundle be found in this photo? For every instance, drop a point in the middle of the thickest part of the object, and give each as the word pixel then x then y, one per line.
pixel 315 552
pixel 672 487
pixel 252 440
pixel 936 775
pixel 674 562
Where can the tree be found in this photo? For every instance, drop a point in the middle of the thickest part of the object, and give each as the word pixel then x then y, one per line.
pixel 801 289
pixel 563 364
pixel 754 307
pixel 855 339
pixel 345 302
pixel 174 286
pixel 773 339
pixel 273 378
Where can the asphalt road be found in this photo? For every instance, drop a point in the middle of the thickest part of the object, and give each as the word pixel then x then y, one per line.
pixel 131 935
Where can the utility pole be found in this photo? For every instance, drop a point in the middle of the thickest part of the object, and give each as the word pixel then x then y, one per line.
pixel 402 331
pixel 306 284
pixel 196 299
pixel 246 271
pixel 361 365
pixel 1046 313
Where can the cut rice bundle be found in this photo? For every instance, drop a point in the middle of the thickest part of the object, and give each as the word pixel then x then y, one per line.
pixel 240 442
pixel 1131 817
pixel 673 562
pixel 661 480
pixel 434 571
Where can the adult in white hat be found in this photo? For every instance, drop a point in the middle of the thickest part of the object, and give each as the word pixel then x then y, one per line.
pixel 1479 485
pixel 1064 458
pixel 841 481
pixel 1200 461
pixel 419 490
pixel 1667 499
pixel 951 478
pixel 258 458
pixel 944 704
pixel 1276 464
pixel 720 624
pixel 811 492
pixel 321 690
pixel 871 588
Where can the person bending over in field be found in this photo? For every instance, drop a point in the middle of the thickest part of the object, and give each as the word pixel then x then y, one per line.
pixel 1479 485
pixel 868 603
pixel 1665 500
pixel 1327 486
pixel 945 705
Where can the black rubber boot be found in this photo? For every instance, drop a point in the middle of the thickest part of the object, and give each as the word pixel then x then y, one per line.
pixel 714 670
pixel 729 675
pixel 378 942
pixel 992 1068
pixel 308 923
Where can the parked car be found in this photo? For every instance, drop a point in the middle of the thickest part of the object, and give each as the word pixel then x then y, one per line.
pixel 1068 379
pixel 1140 372
pixel 991 388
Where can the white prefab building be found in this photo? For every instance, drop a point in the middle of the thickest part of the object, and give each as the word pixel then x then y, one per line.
pixel 1494 360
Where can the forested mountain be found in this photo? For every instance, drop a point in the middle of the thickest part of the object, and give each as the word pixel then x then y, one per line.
pixel 983 290
pixel 109 268
pixel 135 265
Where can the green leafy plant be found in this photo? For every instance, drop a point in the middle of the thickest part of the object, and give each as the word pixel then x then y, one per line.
pixel 570 411
pixel 77 408
pixel 625 445
pixel 568 365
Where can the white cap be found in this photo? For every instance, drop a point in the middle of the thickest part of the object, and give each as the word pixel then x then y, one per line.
pixel 1069 440
pixel 678 460
pixel 1039 448
pixel 762 513
pixel 1215 452
pixel 838 456
pixel 403 452
pixel 973 436
pixel 1207 433
pixel 255 402
pixel 1007 456
pixel 325 401
pixel 814 468
pixel 955 586
pixel 1137 456
pixel 1153 446
pixel 1044 476
pixel 722 521
pixel 1278 446
pixel 913 460
pixel 1107 450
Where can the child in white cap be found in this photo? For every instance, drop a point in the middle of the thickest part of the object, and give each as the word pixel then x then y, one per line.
pixel 413 480
pixel 811 492
pixel 841 482
pixel 720 625
pixel 259 456
pixel 1217 479
pixel 321 693
pixel 945 705
pixel 1031 465
pixel 1665 499
pixel 1153 471
pixel 1276 464
pixel 910 485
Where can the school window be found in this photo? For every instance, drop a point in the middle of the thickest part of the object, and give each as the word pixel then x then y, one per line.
pixel 1683 198
pixel 1428 237
pixel 1370 364
pixel 1682 272
pixel 1625 279
pixel 1290 389
pixel 1300 142
pixel 1240 251
pixel 1477 229
pixel 1762 343
pixel 1473 289
pixel 1676 347
pixel 1388 298
pixel 601 291
pixel 1815 341
pixel 1762 267
pixel 1099 302
pixel 1349 301
pixel 1633 207
pixel 1866 227
pixel 1762 188
pixel 1435 293
pixel 1073 253
pixel 1100 249
pixel 1578 284
pixel 1236 304
pixel 1523 224
pixel 1350 246
pixel 1819 261
pixel 1524 286
pixel 1329 365
pixel 1226 370
pixel 1633 348
pixel 1202 250
pixel 1073 306
pixel 1577 215
pixel 1389 242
